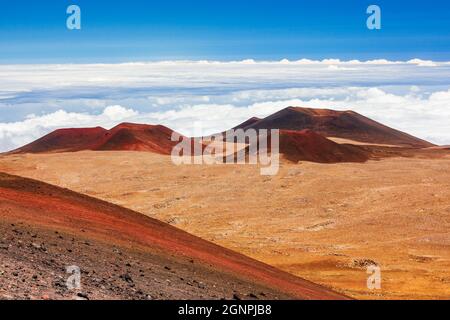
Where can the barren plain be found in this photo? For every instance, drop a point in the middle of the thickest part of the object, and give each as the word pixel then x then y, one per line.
pixel 322 222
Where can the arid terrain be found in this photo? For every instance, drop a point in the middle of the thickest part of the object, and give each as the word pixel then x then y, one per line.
pixel 350 193
pixel 322 222
pixel 121 254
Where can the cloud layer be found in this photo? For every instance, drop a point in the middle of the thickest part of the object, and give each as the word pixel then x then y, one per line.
pixel 412 96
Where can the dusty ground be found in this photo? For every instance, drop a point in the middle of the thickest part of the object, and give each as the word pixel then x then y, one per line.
pixel 322 222
pixel 122 254
pixel 34 261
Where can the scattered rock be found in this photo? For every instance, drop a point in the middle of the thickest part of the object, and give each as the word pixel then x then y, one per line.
pixel 126 277
pixel 201 285
pixel 83 295
pixel 363 263
pixel 236 296
pixel 36 246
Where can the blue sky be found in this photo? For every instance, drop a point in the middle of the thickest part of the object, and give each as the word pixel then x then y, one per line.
pixel 224 62
pixel 116 31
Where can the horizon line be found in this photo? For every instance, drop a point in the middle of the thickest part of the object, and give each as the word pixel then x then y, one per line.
pixel 249 61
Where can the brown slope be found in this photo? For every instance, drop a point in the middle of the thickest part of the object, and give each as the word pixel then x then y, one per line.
pixel 125 136
pixel 247 123
pixel 306 145
pixel 138 137
pixel 340 124
pixel 66 140
pixel 51 208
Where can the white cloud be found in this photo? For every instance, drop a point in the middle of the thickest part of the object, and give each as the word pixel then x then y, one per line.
pixel 423 63
pixel 15 134
pixel 425 117
pixel 34 99
pixel 117 113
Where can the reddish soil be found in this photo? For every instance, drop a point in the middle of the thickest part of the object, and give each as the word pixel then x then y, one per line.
pixel 136 137
pixel 340 124
pixel 247 123
pixel 125 136
pixel 66 140
pixel 306 145
pixel 303 137
pixel 45 209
